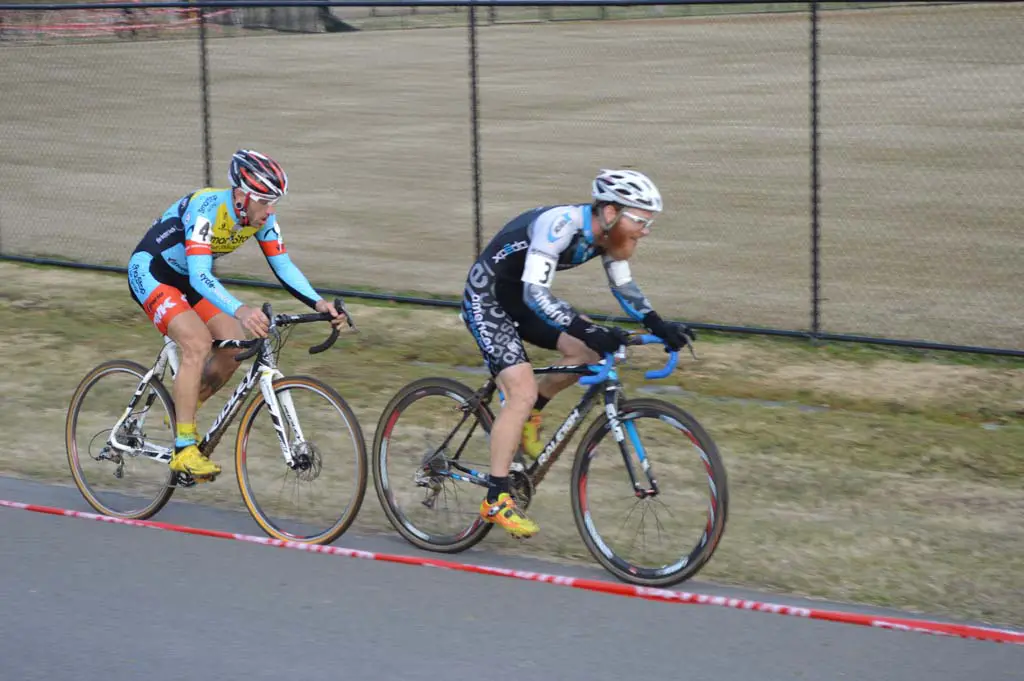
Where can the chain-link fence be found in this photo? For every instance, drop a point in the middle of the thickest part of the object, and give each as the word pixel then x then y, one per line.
pixel 828 168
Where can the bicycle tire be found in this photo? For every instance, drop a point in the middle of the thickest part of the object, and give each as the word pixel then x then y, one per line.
pixel 345 521
pixel 71 445
pixel 717 509
pixel 410 393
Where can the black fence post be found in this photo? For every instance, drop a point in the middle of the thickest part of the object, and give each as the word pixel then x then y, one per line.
pixel 204 86
pixel 474 105
pixel 815 185
pixel 205 96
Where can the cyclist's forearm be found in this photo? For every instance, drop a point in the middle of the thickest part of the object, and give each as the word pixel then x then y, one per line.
pixel 293 279
pixel 632 300
pixel 620 280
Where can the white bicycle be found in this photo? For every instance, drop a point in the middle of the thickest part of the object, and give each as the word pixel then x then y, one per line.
pixel 119 447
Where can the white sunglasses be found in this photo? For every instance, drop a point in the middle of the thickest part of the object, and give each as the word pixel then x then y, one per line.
pixel 643 222
pixel 265 201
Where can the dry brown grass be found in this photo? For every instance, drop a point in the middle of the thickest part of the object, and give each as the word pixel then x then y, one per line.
pixel 873 478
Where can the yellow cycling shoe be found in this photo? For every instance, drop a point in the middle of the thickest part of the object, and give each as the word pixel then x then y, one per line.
pixel 531 442
pixel 507 515
pixel 190 460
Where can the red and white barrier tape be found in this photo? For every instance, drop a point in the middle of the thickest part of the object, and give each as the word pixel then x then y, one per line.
pixel 616 588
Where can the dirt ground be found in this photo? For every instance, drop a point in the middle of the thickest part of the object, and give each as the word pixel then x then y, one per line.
pixel 920 155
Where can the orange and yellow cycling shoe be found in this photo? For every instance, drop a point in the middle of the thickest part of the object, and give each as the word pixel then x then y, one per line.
pixel 505 514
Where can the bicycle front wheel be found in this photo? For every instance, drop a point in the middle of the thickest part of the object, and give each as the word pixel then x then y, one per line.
pixel 664 532
pixel 316 501
pixel 122 474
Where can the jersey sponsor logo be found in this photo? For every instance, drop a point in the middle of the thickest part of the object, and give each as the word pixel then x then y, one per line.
pixel 558 227
pixel 230 242
pixel 478 275
pixel 510 248
pixel 215 288
pixel 166 233
pixel 208 202
pixel 208 280
pixel 135 278
pixel 173 262
pixel 161 310
pixel 553 310
pixel 496 336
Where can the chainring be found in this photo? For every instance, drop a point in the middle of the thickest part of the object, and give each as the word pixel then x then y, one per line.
pixel 521 487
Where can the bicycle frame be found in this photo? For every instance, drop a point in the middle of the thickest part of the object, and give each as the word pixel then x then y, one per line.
pixel 263 371
pixel 606 380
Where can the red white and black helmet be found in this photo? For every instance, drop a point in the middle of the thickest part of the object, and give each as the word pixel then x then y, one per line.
pixel 259 175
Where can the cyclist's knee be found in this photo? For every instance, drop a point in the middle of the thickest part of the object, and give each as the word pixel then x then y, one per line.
pixel 192 337
pixel 195 352
pixel 520 388
pixel 222 326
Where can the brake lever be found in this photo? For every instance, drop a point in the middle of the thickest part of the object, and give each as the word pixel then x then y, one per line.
pixel 689 346
pixel 339 305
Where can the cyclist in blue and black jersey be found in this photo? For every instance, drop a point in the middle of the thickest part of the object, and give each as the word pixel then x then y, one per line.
pixel 508 300
pixel 170 276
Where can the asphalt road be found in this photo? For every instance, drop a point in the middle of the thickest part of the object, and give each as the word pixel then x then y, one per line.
pixel 95 602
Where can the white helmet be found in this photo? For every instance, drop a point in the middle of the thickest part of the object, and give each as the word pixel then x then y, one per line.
pixel 627 188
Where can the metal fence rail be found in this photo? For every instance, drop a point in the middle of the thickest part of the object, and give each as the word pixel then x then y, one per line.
pixel 832 170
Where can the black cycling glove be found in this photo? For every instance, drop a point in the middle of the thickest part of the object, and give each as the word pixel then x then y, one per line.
pixel 601 339
pixel 673 333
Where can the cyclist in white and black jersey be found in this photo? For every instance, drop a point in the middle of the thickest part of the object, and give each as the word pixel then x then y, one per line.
pixel 508 300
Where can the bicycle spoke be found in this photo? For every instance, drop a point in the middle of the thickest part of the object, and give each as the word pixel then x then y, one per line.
pixel 421 481
pixel 316 497
pixel 665 536
pixel 131 479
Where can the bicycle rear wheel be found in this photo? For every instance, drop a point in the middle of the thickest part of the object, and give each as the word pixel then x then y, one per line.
pixel 134 482
pixel 424 427
pixel 677 529
pixel 316 502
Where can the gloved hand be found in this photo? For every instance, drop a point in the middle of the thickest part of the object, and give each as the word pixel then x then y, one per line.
pixel 674 334
pixel 601 339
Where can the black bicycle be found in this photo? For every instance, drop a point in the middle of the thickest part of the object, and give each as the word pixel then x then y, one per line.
pixel 120 437
pixel 432 426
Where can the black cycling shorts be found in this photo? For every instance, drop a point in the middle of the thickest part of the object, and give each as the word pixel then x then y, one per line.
pixel 499 319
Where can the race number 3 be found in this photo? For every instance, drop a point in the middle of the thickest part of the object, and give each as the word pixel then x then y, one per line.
pixel 539 269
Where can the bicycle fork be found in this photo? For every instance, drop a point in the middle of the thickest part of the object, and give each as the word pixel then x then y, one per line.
pixel 621 431
pixel 281 409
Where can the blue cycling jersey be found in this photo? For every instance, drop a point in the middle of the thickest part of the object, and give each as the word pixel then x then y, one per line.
pixel 203 226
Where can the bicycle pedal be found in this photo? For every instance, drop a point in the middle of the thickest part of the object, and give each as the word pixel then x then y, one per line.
pixel 184 480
